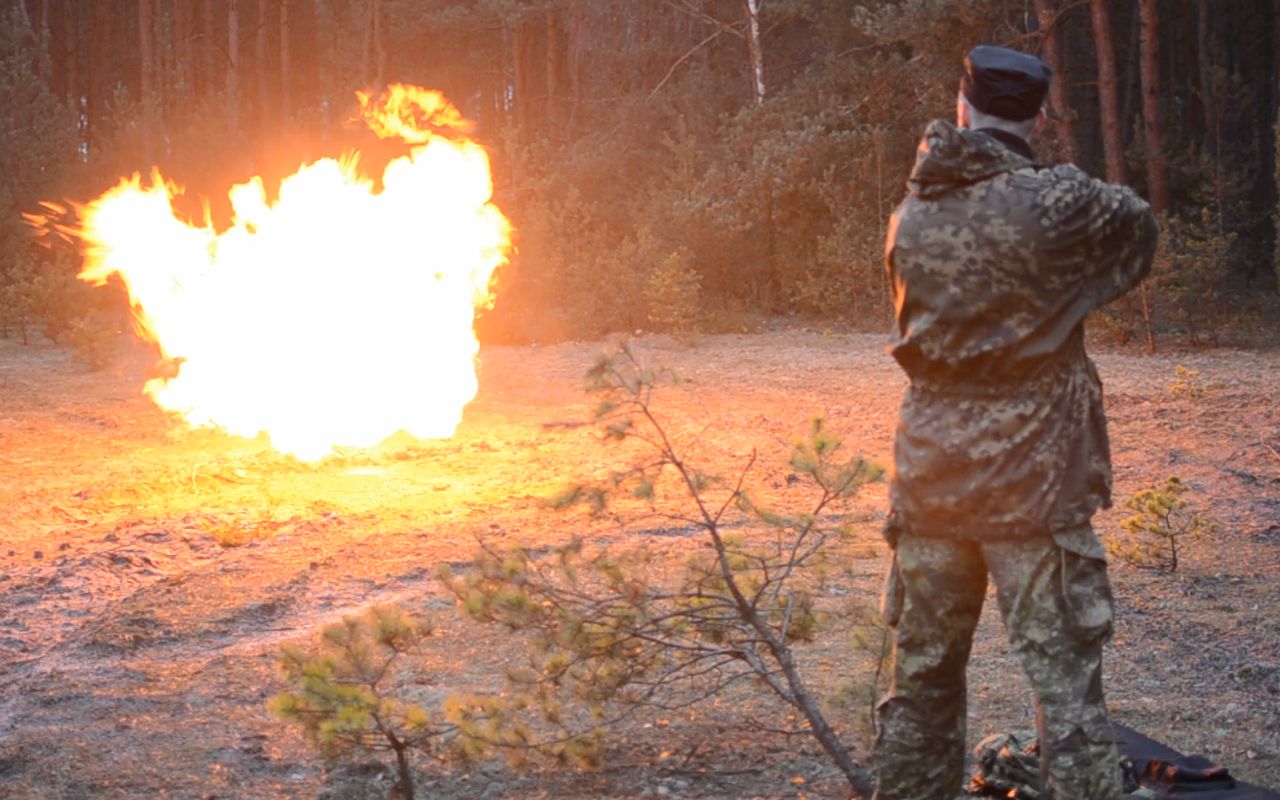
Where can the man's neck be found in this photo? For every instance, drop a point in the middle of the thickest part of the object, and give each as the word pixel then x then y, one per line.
pixel 1012 141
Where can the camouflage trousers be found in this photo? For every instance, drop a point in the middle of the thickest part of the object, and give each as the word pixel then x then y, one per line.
pixel 1056 605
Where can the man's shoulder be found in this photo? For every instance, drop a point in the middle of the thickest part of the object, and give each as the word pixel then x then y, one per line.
pixel 1068 196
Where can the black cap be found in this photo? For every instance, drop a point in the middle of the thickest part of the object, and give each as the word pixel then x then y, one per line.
pixel 1005 83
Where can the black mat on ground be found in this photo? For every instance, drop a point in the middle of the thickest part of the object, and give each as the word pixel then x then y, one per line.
pixel 1177 777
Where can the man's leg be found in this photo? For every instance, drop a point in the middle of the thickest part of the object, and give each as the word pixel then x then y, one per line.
pixel 1057 610
pixel 919 753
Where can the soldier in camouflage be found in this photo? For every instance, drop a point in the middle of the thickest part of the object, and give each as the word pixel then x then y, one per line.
pixel 1001 454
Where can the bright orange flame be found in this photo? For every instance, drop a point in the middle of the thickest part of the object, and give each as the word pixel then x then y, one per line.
pixel 336 315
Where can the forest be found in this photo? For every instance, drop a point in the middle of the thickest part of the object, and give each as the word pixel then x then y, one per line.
pixel 540 450
pixel 678 165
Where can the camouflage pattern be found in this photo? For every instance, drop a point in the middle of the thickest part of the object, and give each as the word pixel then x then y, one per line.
pixel 994 263
pixel 1057 609
pixel 1001 454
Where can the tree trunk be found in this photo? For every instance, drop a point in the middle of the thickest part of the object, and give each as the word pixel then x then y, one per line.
pixel 265 110
pixel 100 56
pixel 71 66
pixel 754 50
pixel 1157 191
pixel 1108 92
pixel 1131 79
pixel 555 68
pixel 208 85
pixel 1149 45
pixel 1047 17
pixel 233 65
pixel 178 57
pixel 284 61
pixel 147 85
pixel 576 49
pixel 74 69
pixel 375 51
pixel 1208 101
pixel 523 77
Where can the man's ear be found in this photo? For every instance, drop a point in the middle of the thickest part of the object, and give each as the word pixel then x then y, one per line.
pixel 962 111
pixel 1042 119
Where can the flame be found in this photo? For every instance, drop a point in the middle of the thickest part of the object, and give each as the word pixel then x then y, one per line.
pixel 335 316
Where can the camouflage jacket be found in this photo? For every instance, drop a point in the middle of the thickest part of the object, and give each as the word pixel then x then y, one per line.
pixel 994 263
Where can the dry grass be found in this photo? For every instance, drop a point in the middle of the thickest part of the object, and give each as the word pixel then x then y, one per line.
pixel 149 573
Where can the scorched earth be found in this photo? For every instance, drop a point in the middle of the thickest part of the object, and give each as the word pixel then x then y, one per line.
pixel 149 573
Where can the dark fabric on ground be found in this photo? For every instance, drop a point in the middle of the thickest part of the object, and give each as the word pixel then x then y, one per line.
pixel 1178 777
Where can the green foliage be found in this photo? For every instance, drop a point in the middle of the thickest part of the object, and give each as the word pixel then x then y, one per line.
pixel 673 296
pixel 1162 521
pixel 1188 276
pixel 347 692
pixel 609 635
pixel 1186 384
pixel 25 291
pixel 37 154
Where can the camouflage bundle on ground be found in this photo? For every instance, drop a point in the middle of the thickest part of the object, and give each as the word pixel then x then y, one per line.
pixel 1008 765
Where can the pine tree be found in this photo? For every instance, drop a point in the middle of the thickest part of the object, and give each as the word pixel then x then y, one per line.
pixel 37 151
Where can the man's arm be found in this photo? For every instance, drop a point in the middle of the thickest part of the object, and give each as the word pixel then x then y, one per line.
pixel 1104 228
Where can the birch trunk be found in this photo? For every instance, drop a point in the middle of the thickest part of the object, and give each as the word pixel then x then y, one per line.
pixel 754 49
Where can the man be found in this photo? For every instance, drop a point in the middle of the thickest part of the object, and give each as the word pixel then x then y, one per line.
pixel 1001 453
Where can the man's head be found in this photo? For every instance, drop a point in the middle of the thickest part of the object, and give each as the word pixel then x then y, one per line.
pixel 1002 88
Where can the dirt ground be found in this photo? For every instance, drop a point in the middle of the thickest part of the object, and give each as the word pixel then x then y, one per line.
pixel 149 573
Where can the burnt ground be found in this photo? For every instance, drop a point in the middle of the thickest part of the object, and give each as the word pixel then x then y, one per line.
pixel 150 573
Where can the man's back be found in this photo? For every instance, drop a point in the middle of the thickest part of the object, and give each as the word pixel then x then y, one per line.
pixel 995 262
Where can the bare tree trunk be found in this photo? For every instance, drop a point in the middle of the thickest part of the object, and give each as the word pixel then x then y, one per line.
pixel 76 86
pixel 265 111
pixel 285 98
pixel 1108 92
pixel 1208 102
pixel 69 21
pixel 375 53
pixel 178 55
pixel 1157 188
pixel 575 49
pixel 1047 17
pixel 555 67
pixel 754 50
pixel 233 65
pixel 147 90
pixel 521 44
pixel 208 84
pixel 100 55
pixel 379 45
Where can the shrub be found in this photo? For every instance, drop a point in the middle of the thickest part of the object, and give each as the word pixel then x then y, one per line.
pixel 345 690
pixel 608 637
pixel 1161 522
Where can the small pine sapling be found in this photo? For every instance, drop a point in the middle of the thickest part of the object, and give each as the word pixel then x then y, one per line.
pixel 1188 385
pixel 673 294
pixel 344 692
pixel 608 637
pixel 1161 522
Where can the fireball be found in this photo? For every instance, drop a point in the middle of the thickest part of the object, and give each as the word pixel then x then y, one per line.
pixel 334 315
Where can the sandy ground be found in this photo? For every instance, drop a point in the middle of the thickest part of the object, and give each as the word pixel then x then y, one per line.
pixel 149 573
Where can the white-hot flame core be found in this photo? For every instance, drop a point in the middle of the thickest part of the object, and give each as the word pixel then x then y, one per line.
pixel 336 315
